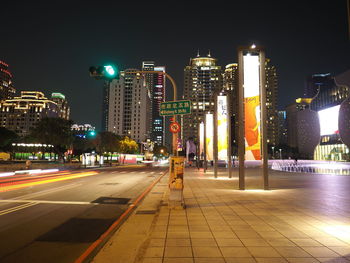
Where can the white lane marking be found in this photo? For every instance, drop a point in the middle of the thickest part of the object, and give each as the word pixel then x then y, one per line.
pixel 49 191
pixel 46 202
pixel 16 208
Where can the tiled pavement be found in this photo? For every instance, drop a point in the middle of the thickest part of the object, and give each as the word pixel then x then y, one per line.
pixel 303 218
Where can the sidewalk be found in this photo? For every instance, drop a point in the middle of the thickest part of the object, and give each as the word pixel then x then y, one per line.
pixel 304 218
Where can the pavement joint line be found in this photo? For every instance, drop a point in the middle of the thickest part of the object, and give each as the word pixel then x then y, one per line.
pixel 16 208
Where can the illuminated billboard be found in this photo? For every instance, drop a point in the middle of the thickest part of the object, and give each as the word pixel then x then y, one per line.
pixel 329 120
pixel 201 140
pixel 222 127
pixel 251 84
pixel 209 133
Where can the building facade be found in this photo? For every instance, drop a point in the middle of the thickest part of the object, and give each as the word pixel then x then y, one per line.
pixel 271 82
pixel 20 114
pixel 201 78
pixel 155 84
pixel 128 108
pixel 62 104
pixel 7 90
pixel 282 127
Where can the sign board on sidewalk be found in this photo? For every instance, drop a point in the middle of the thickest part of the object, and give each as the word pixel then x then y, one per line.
pixel 179 107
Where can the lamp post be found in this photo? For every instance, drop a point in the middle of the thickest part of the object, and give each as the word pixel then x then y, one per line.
pixel 273 152
pixel 280 154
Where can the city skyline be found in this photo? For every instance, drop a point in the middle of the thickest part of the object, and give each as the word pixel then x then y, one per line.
pixel 58 52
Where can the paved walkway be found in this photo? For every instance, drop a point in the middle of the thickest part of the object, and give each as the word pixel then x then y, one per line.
pixel 304 218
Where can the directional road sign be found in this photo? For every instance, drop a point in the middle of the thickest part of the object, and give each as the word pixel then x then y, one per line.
pixel 179 107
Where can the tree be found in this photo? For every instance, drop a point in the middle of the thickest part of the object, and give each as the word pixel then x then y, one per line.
pixel 107 142
pixel 54 131
pixel 127 145
pixel 7 137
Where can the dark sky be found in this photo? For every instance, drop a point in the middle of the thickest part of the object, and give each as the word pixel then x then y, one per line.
pixel 50 46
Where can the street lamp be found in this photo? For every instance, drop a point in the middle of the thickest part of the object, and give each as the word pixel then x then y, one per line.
pixel 273 152
pixel 281 154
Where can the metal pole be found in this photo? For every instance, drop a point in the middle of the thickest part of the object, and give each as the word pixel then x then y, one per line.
pixel 205 144
pixel 215 124
pixel 241 146
pixel 174 136
pixel 263 120
pixel 229 148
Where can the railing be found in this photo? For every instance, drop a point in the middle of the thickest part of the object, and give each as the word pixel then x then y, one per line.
pixel 313 167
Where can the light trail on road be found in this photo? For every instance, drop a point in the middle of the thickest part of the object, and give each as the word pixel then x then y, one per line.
pixel 22 184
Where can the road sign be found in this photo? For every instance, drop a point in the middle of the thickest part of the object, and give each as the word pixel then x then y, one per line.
pixel 179 107
pixel 174 127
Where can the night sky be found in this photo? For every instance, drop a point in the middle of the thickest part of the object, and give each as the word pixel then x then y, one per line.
pixel 50 46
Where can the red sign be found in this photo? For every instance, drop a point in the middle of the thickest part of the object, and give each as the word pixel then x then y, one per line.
pixel 174 127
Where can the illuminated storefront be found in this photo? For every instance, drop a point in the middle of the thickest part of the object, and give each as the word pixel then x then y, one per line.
pixel 327 104
pixel 332 152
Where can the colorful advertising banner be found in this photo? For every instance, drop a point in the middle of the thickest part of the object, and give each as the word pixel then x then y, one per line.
pixel 222 127
pixel 251 84
pixel 209 130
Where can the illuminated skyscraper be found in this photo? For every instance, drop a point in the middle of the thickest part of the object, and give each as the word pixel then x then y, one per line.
pixel 7 90
pixel 271 103
pixel 62 104
pixel 202 77
pixel 155 84
pixel 128 108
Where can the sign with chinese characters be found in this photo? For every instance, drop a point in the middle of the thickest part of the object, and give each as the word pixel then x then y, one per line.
pixel 222 127
pixel 179 107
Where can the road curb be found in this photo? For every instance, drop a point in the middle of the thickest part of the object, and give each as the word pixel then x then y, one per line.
pixel 96 250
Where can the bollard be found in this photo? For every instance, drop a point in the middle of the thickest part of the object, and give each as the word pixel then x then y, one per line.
pixel 176 177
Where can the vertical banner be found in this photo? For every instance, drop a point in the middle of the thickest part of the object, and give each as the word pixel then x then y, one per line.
pixel 222 127
pixel 209 119
pixel 251 84
pixel 201 141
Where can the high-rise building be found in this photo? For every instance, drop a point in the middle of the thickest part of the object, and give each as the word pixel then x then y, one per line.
pixel 62 104
pixel 282 127
pixel 7 90
pixel 271 102
pixel 128 108
pixel 202 77
pixel 105 105
pixel 20 114
pixel 315 82
pixel 155 84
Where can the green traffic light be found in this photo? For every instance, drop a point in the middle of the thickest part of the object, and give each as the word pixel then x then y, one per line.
pixel 92 133
pixel 110 71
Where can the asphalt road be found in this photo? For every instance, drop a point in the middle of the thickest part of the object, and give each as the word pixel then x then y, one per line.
pixel 55 218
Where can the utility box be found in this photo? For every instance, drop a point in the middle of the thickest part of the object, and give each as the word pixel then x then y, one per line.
pixel 176 185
